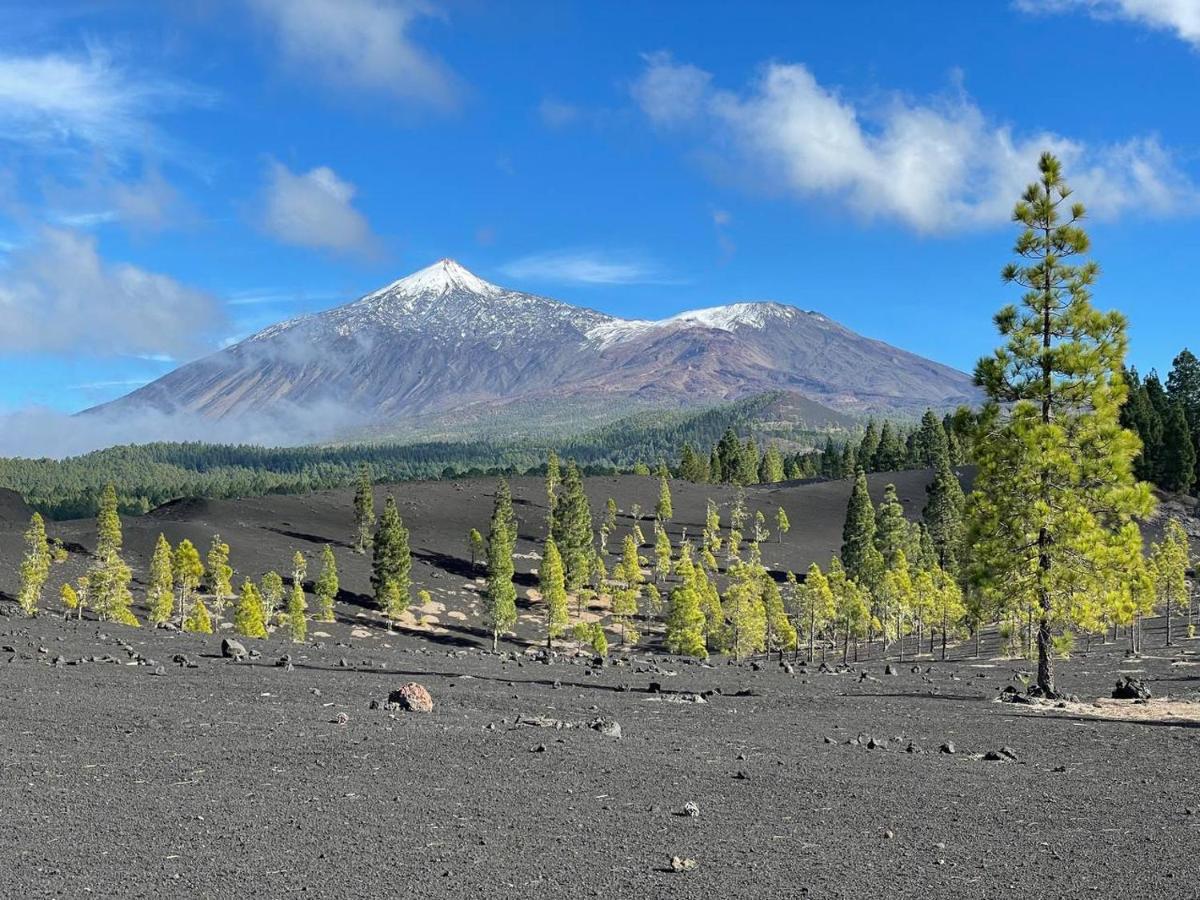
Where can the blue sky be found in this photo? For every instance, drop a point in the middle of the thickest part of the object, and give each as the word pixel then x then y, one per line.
pixel 174 176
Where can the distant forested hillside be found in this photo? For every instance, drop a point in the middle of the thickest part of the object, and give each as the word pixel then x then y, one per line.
pixel 148 475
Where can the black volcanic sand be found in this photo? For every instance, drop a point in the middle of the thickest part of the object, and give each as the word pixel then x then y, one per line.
pixel 239 778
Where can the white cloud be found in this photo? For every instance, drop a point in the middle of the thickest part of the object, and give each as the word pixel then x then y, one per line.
pixel 1179 16
pixel 939 166
pixel 58 296
pixel 671 93
pixel 314 209
pixel 361 44
pixel 585 267
pixel 56 100
pixel 557 114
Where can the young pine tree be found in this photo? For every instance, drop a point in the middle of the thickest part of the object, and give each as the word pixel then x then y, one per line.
pixel 891 528
pixel 860 557
pixel 554 592
pixel 664 511
pixel 220 575
pixel 1054 500
pixel 110 575
pixel 326 587
pixel 476 546
pixel 625 597
pixel 35 566
pixel 1177 469
pixel 248 617
pixel 685 619
pixel 391 567
pixel 297 614
pixel 271 594
pixel 159 592
pixel 743 604
pixel 782 525
pixel 553 479
pixel 188 572
pixel 819 605
pixel 198 619
pixel 943 513
pixel 662 555
pixel 364 509
pixel 572 529
pixel 1169 565
pixel 781 633
pixel 69 598
pixel 500 600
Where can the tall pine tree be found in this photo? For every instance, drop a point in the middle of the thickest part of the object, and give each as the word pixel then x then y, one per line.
pixel 1054 500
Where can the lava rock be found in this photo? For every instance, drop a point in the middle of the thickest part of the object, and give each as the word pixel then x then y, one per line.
pixel 1130 688
pixel 233 649
pixel 607 727
pixel 413 697
pixel 691 809
pixel 948 747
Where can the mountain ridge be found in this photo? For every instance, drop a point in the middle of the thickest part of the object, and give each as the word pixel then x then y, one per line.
pixel 442 339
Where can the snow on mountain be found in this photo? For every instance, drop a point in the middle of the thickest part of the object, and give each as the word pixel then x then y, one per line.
pixel 443 339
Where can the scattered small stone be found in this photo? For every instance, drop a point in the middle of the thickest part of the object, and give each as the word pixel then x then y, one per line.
pixel 993 756
pixel 947 747
pixel 607 727
pixel 829 740
pixel 691 809
pixel 538 748
pixel 1008 753
pixel 888 670
pixel 159 670
pixel 679 864
pixel 889 834
pixel 342 718
pixel 58 662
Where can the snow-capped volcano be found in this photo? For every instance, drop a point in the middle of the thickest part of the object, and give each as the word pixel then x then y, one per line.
pixel 444 339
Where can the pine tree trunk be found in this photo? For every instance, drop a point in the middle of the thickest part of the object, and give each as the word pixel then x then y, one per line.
pixel 1169 641
pixel 812 624
pixel 944 629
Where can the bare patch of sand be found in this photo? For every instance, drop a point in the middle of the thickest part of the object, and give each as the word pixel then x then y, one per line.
pixel 1164 710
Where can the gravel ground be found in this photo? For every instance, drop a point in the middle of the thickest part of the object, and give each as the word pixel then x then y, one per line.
pixel 245 777
pixel 239 777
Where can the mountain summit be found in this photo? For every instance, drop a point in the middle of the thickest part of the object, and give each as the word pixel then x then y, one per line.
pixel 444 343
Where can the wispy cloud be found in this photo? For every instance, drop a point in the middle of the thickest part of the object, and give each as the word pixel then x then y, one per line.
pixel 1181 17
pixel 58 295
pixel 937 166
pixel 278 297
pixel 363 44
pixel 86 102
pixel 585 266
pixel 315 209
